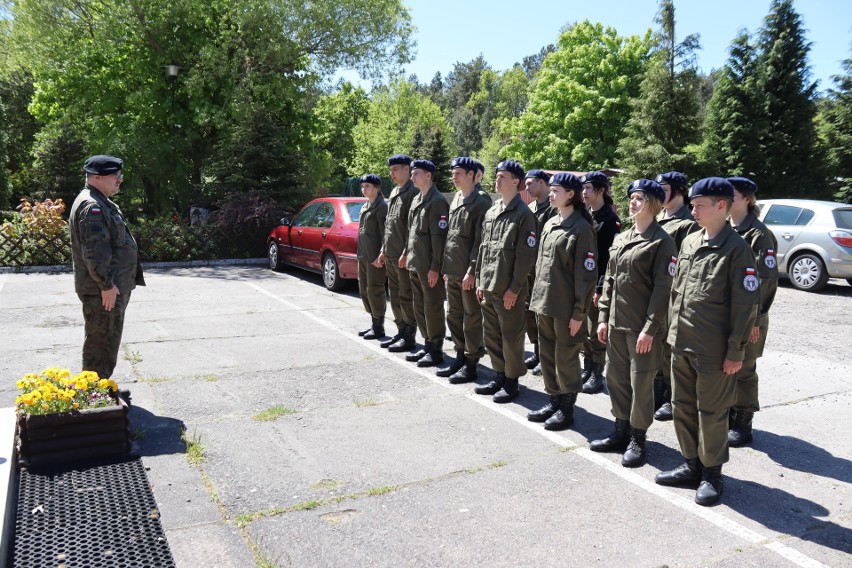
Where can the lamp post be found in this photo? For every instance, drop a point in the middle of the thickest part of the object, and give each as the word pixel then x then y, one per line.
pixel 172 71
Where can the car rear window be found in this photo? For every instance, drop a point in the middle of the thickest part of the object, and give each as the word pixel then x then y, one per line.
pixel 788 215
pixel 354 210
pixel 843 218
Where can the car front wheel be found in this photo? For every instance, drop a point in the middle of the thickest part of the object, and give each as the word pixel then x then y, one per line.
pixel 331 273
pixel 807 272
pixel 274 257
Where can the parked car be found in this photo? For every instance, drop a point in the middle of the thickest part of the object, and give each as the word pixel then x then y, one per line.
pixel 814 239
pixel 322 238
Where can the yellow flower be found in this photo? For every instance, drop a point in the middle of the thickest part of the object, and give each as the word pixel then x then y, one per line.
pixel 103 383
pixel 113 385
pixel 75 405
pixel 45 406
pixel 64 373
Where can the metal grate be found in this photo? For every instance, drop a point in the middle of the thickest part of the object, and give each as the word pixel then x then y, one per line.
pixel 95 514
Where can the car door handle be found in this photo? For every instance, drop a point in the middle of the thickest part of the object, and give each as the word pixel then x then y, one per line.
pixel 323 234
pixel 299 232
pixel 787 236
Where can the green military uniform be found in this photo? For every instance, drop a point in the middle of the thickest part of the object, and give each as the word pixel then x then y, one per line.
pixel 371 280
pixel 566 273
pixel 635 299
pixel 509 246
pixel 714 302
pixel 464 315
pixel 428 221
pixel 104 254
pixel 763 244
pixel 607 225
pixel 543 212
pixel 396 237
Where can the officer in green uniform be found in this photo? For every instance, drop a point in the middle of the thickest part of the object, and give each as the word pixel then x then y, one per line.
pixel 509 247
pixel 596 189
pixel 396 237
pixel 428 221
pixel 745 222
pixel 677 221
pixel 714 303
pixel 536 183
pixel 464 315
pixel 632 318
pixel 106 263
pixel 566 273
pixel 371 272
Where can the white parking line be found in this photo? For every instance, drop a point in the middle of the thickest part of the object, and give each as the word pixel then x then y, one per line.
pixel 667 495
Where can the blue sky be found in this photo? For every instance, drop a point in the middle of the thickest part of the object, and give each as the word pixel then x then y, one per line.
pixel 458 30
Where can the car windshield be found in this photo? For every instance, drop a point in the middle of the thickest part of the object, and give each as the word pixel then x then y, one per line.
pixel 843 218
pixel 354 210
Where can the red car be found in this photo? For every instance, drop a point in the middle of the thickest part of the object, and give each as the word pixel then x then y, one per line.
pixel 322 238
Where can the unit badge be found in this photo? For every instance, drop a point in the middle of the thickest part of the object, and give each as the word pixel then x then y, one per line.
pixel 442 222
pixel 750 282
pixel 590 261
pixel 769 260
pixel 673 266
pixel 531 239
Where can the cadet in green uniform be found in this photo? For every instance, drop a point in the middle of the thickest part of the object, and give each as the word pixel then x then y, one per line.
pixel 371 272
pixel 745 222
pixel 477 179
pixel 632 321
pixel 428 221
pixel 509 246
pixel 607 225
pixel 464 315
pixel 677 221
pixel 566 273
pixel 106 263
pixel 536 183
pixel 714 302
pixel 396 236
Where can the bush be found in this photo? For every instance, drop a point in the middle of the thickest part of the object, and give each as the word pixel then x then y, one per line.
pixel 242 222
pixel 170 239
pixel 36 235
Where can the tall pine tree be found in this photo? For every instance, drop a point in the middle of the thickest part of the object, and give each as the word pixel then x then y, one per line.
pixel 835 134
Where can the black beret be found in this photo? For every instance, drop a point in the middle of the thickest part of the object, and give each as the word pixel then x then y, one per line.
pixel 567 180
pixel 423 165
pixel 539 174
pixel 674 179
pixel 479 166
pixel 712 187
pixel 103 165
pixel 743 185
pixel 371 178
pixel 512 167
pixel 595 178
pixel 649 187
pixel 465 163
pixel 399 160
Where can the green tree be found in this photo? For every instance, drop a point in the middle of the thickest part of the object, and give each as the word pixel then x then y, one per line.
pixel 580 99
pixel 834 125
pixel 335 116
pixel 666 116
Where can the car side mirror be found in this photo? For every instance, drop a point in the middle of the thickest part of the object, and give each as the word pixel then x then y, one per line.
pixel 285 221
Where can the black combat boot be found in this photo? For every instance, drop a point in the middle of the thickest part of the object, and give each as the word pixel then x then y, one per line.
pixel 435 355
pixel 364 332
pixel 491 387
pixel 635 454
pixel 564 417
pixel 537 370
pixel 545 411
pixel 391 340
pixel 533 359
pixel 732 416
pixel 466 374
pixel 740 434
pixel 659 391
pixel 406 342
pixel 615 442
pixel 454 367
pixel 586 373
pixel 710 490
pixel 595 383
pixel 664 413
pixel 378 329
pixel 419 354
pixel 508 393
pixel 688 474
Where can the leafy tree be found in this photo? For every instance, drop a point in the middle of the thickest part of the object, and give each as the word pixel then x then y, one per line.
pixel 666 115
pixel 580 99
pixel 335 116
pixel 430 143
pixel 834 126
pixel 4 177
pixel 532 63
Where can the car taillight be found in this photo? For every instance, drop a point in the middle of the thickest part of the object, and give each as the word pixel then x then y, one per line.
pixel 842 238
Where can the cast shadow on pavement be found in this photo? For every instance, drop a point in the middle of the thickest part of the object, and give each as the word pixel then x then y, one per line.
pixel 800 455
pixel 156 435
pixel 786 513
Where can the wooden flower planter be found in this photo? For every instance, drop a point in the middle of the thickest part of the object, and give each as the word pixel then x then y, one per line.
pixel 72 436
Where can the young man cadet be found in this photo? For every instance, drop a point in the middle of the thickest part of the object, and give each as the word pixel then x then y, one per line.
pixel 371 274
pixel 677 221
pixel 508 251
pixel 536 182
pixel 714 302
pixel 464 316
pixel 428 221
pixel 396 236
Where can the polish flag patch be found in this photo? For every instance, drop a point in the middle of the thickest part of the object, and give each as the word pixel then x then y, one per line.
pixel 769 260
pixel 590 261
pixel 531 239
pixel 673 266
pixel 750 282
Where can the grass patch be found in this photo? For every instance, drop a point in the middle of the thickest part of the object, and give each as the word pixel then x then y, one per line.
pixel 365 403
pixel 154 380
pixel 326 485
pixel 382 490
pixel 137 434
pixel 274 413
pixel 132 357
pixel 194 447
pixel 497 464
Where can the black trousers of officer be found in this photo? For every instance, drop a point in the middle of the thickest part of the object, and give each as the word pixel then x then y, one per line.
pixel 560 355
pixel 399 286
pixel 429 307
pixel 504 333
pixel 464 318
pixel 103 333
pixel 371 288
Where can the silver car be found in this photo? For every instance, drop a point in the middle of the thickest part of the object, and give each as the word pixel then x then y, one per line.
pixel 814 239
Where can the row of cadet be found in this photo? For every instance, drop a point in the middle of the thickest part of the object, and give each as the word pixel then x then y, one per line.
pixel 675 307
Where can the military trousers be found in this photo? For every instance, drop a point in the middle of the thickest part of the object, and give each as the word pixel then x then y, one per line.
pixel 559 353
pixel 592 348
pixel 532 319
pixel 399 287
pixel 103 330
pixel 702 394
pixel 464 318
pixel 747 376
pixel 504 333
pixel 371 287
pixel 429 307
pixel 630 377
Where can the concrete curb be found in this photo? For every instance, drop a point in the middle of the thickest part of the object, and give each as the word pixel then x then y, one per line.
pixel 59 268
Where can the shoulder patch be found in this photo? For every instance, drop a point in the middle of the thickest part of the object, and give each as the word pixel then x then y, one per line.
pixel 95 210
pixel 673 266
pixel 531 239
pixel 769 260
pixel 589 263
pixel 750 282
pixel 442 222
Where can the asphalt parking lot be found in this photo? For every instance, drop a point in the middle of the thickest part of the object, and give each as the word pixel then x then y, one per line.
pixel 321 449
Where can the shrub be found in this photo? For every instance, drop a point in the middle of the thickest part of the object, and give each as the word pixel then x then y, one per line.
pixel 242 222
pixel 170 239
pixel 38 235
